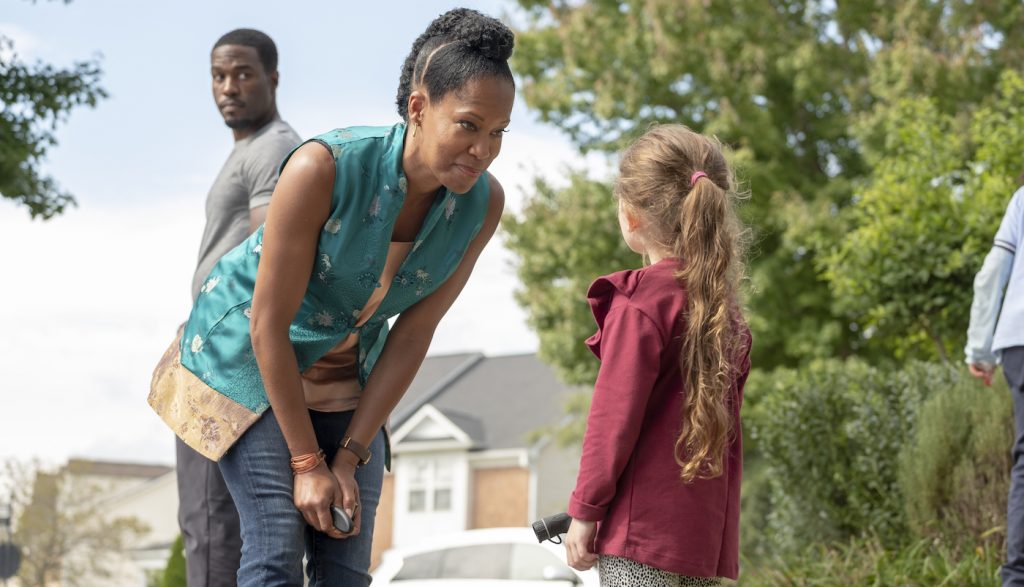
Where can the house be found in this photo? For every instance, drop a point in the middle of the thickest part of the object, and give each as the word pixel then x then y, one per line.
pixel 70 507
pixel 154 501
pixel 470 449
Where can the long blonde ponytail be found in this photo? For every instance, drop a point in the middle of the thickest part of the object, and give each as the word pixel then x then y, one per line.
pixel 698 224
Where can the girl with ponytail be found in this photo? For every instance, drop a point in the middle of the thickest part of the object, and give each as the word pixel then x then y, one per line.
pixel 657 497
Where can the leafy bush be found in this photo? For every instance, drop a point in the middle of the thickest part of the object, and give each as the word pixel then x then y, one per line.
pixel 873 476
pixel 174 574
pixel 954 472
pixel 830 437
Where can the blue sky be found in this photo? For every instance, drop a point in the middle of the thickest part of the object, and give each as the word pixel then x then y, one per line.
pixel 93 297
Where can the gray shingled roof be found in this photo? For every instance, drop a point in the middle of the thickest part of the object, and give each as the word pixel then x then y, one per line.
pixel 473 427
pixel 434 374
pixel 507 397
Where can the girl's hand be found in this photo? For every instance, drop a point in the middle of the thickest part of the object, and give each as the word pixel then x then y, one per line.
pixel 344 472
pixel 579 541
pixel 314 493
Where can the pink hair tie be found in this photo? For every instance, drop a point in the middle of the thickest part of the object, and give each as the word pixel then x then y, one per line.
pixel 697 175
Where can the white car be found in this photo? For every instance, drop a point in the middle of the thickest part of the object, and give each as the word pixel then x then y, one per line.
pixel 492 557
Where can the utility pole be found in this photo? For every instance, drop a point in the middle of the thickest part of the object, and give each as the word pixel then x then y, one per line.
pixel 10 554
pixel 5 521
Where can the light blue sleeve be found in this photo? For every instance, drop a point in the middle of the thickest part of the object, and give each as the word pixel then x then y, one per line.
pixel 1008 235
pixel 989 284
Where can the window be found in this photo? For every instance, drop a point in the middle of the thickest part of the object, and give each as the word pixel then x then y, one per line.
pixel 430 485
pixel 421 566
pixel 442 500
pixel 417 500
pixel 418 480
pixel 484 561
pixel 443 473
pixel 528 563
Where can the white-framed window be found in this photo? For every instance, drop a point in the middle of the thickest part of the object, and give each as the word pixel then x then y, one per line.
pixel 418 482
pixel 430 486
pixel 443 499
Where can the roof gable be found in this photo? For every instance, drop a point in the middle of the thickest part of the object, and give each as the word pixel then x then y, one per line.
pixel 496 401
pixel 429 429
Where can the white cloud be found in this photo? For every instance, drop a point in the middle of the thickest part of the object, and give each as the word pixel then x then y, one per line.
pixel 26 45
pixel 486 317
pixel 92 301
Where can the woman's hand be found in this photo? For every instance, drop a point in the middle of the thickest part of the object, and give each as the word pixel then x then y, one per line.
pixel 344 471
pixel 578 542
pixel 314 493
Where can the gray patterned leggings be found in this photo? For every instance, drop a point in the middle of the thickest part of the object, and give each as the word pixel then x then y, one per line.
pixel 616 571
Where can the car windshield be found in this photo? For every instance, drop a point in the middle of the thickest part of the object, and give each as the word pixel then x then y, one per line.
pixel 520 562
pixel 529 562
pixel 482 561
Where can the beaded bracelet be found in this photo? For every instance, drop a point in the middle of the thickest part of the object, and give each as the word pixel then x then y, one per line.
pixel 306 463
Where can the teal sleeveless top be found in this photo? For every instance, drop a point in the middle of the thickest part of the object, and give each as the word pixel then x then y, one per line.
pixel 369 189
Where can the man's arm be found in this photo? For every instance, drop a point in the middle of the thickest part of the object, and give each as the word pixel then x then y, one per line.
pixel 260 172
pixel 257 216
pixel 989 285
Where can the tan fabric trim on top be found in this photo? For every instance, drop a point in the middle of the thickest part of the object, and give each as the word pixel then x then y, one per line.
pixel 202 417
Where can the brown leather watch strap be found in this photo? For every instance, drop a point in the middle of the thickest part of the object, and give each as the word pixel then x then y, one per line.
pixel 357 449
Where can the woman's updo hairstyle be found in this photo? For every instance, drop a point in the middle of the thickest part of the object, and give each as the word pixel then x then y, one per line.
pixel 471 45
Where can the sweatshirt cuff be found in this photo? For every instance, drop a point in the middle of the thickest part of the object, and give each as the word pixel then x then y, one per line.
pixel 584 511
pixel 978 356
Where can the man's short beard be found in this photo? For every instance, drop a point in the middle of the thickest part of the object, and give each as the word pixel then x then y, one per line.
pixel 240 123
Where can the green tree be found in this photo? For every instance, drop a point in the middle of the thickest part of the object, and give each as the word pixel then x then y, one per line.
pixel 803 92
pixel 60 527
pixel 34 100
pixel 923 224
pixel 565 238
pixel 174 575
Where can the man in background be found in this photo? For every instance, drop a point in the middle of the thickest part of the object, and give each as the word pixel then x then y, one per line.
pixel 996 334
pixel 243 66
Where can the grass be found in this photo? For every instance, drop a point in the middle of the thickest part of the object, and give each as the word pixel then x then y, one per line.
pixel 864 562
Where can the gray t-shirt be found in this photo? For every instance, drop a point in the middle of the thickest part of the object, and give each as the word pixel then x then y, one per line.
pixel 245 182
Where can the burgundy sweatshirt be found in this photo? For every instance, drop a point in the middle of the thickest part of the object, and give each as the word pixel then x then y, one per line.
pixel 629 479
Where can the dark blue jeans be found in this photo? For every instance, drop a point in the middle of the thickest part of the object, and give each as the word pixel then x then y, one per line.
pixel 274 534
pixel 1013 570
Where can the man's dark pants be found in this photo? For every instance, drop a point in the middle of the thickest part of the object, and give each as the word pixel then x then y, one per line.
pixel 1013 570
pixel 208 520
